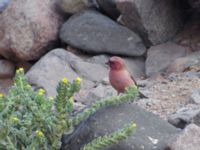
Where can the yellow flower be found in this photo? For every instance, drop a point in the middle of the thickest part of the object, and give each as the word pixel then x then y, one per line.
pixel 51 98
pixel 39 133
pixel 65 80
pixel 15 119
pixel 1 95
pixel 78 80
pixel 20 70
pixel 41 92
pixel 134 125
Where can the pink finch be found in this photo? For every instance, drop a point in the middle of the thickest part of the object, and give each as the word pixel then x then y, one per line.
pixel 119 76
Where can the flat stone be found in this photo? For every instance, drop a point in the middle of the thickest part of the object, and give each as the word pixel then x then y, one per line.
pixel 92 32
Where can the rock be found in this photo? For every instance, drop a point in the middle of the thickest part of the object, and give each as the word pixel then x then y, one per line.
pixel 85 29
pixel 154 21
pixel 5 85
pixel 109 7
pixel 74 6
pixel 187 140
pixel 4 4
pixel 135 65
pixel 195 96
pixel 189 62
pixel 99 59
pixel 28 28
pixel 184 116
pixel 91 71
pixel 7 69
pixel 160 56
pixel 51 68
pixel 149 128
pixel 98 93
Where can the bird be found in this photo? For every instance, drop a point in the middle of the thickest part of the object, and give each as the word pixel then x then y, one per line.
pixel 119 76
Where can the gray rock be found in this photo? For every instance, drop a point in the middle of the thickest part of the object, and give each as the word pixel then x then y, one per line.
pixel 109 7
pixel 154 21
pixel 184 63
pixel 74 6
pixel 184 116
pixel 52 68
pixel 7 69
pixel 187 140
pixel 99 59
pixel 93 32
pixel 136 66
pixel 28 28
pixel 4 4
pixel 150 128
pixel 98 93
pixel 160 56
pixel 91 71
pixel 195 96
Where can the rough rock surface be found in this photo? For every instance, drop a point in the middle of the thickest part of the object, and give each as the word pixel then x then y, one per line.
pixel 187 140
pixel 151 132
pixel 93 32
pixel 53 67
pixel 74 6
pixel 154 21
pixel 189 62
pixel 27 27
pixel 7 69
pixel 184 116
pixel 160 56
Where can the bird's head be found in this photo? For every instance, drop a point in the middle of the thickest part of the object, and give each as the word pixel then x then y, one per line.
pixel 116 63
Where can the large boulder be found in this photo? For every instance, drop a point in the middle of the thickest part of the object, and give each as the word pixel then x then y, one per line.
pixel 151 132
pixel 160 56
pixel 93 32
pixel 27 28
pixel 154 21
pixel 59 63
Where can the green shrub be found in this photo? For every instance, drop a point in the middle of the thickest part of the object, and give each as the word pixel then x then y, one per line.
pixel 30 120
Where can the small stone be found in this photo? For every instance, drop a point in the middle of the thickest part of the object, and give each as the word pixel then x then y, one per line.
pixel 195 97
pixel 188 139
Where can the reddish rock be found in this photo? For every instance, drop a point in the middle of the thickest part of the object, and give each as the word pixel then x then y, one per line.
pixel 27 27
pixel 7 69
